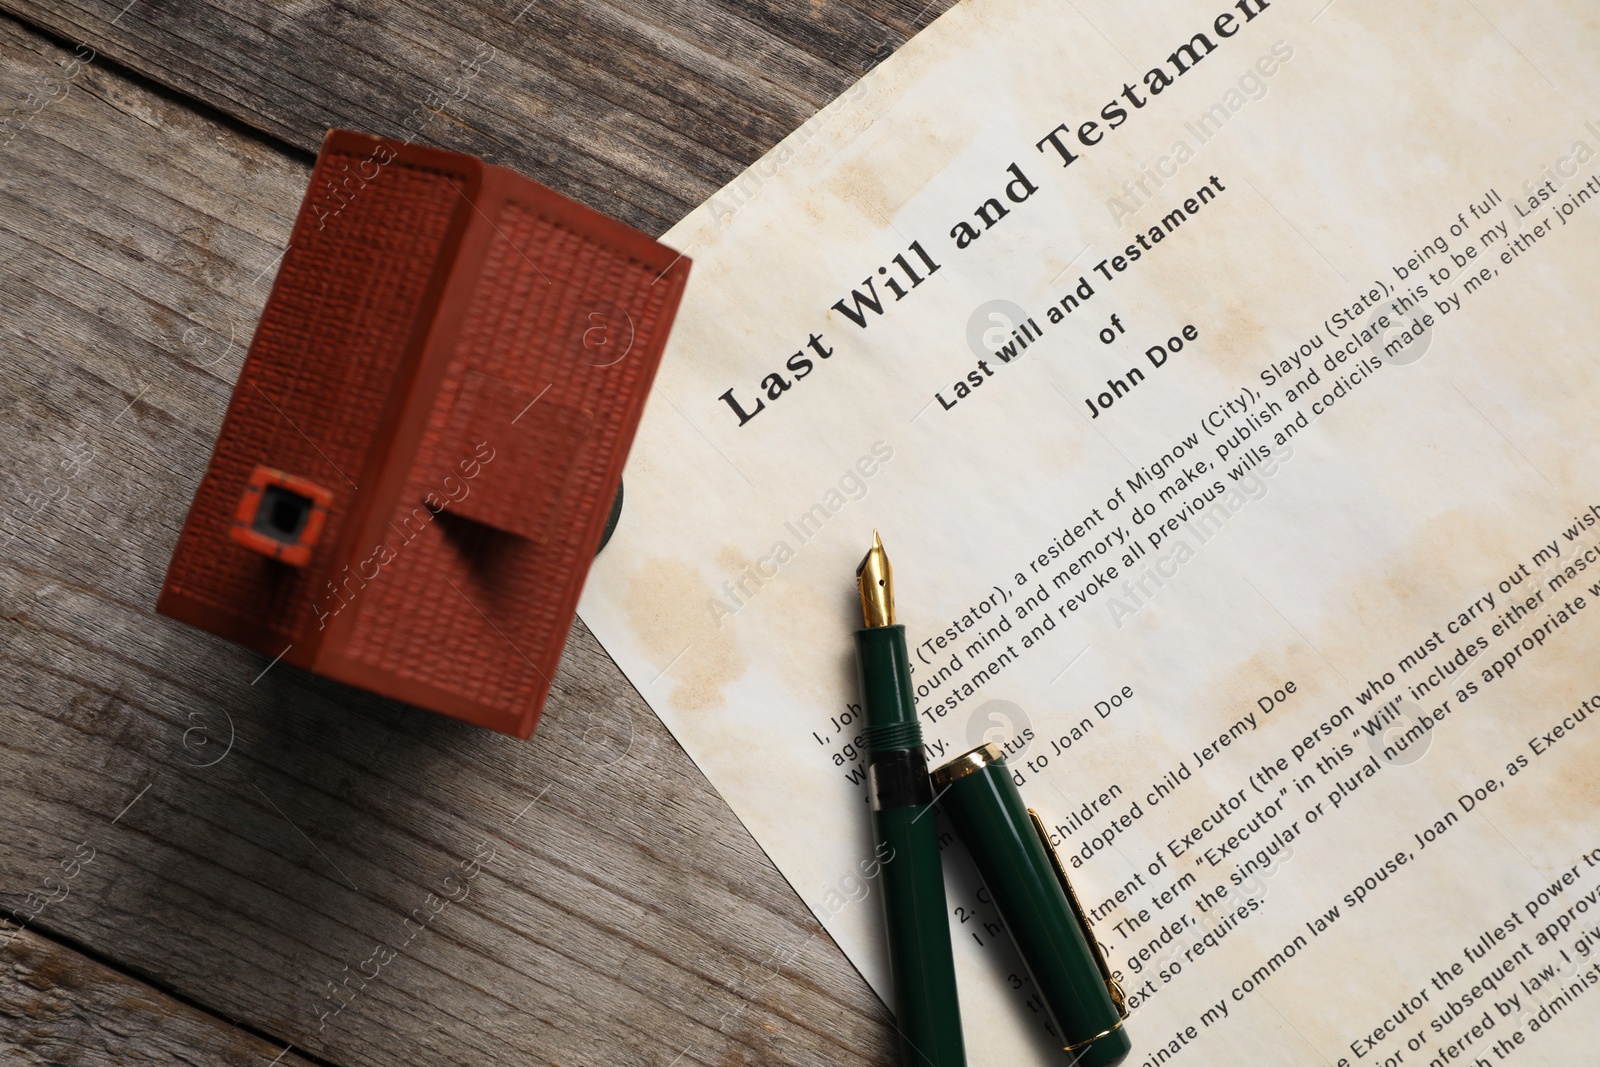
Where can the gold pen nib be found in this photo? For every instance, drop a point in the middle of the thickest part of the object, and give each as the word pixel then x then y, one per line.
pixel 875 579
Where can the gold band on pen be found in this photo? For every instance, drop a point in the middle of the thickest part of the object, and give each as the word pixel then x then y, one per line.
pixel 965 764
pixel 1089 1041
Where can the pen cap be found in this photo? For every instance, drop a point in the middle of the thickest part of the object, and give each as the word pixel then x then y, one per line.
pixel 1008 843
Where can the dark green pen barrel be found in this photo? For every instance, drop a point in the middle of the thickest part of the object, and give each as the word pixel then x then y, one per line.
pixel 927 1014
pixel 886 693
pixel 987 811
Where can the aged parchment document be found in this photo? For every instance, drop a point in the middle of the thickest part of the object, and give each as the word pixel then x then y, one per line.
pixel 1223 381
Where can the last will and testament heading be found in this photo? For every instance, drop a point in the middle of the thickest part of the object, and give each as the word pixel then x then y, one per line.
pixel 908 269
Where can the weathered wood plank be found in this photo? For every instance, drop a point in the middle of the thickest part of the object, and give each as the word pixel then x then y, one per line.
pixel 641 110
pixel 264 842
pixel 58 1006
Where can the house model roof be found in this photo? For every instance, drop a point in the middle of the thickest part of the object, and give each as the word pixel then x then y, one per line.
pixel 428 432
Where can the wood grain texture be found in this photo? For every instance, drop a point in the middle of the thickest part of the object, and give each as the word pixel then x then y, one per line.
pixel 58 1006
pixel 266 843
pixel 641 110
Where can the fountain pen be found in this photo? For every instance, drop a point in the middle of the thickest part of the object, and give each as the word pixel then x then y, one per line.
pixel 921 967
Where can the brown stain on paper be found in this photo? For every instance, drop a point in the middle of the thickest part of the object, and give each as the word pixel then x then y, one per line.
pixel 1239 347
pixel 1419 586
pixel 811 626
pixel 669 610
pixel 1267 672
pixel 880 183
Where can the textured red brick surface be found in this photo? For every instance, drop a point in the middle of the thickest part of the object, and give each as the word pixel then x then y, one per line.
pixel 460 357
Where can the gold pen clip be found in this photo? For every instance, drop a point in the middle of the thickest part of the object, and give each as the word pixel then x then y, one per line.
pixel 1117 997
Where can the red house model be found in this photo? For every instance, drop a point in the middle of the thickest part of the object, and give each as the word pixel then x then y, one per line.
pixel 428 433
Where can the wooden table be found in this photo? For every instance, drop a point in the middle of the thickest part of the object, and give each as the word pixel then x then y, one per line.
pixel 224 861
